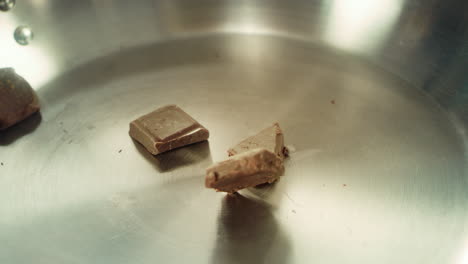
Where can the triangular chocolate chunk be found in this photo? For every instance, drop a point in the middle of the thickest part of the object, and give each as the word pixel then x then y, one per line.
pixel 251 168
pixel 270 138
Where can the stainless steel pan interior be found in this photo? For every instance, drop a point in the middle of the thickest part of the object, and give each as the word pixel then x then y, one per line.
pixel 372 96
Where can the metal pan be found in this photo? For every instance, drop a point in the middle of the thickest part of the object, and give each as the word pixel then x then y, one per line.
pixel 371 95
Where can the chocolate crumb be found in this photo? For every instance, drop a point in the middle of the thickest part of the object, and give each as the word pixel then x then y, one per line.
pixel 286 152
pixel 332 101
pixel 344 185
pixel 120 151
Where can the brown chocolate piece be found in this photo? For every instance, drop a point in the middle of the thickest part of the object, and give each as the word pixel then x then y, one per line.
pixel 270 138
pixel 167 128
pixel 244 170
pixel 17 99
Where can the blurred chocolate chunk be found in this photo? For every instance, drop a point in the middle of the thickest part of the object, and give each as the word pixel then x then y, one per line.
pixel 248 169
pixel 167 128
pixel 270 138
pixel 17 99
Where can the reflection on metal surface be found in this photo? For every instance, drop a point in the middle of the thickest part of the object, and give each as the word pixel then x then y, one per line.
pixel 23 35
pixel 39 3
pixel 379 167
pixel 393 148
pixel 361 26
pixel 245 19
pixel 33 62
pixel 6 5
pixel 464 257
pixel 247 231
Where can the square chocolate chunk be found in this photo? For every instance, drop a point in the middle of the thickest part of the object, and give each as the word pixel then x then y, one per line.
pixel 167 128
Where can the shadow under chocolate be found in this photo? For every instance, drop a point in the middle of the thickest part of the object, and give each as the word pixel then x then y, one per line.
pixel 249 233
pixel 17 131
pixel 176 158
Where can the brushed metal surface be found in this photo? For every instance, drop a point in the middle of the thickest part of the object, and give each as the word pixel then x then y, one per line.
pixel 372 98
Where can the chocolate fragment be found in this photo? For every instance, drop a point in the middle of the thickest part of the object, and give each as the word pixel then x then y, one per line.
pixel 270 138
pixel 244 170
pixel 167 128
pixel 17 99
